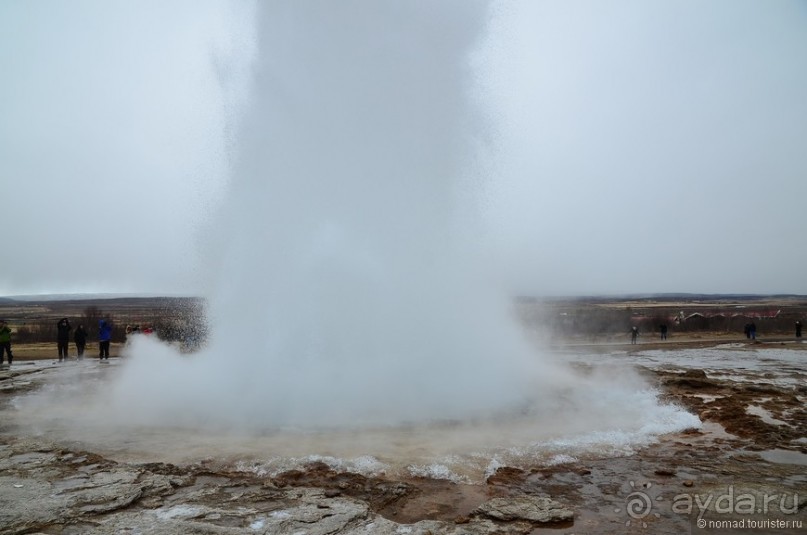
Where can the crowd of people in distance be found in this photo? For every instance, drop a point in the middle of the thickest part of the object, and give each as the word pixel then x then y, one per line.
pixel 80 336
pixel 63 329
pixel 750 331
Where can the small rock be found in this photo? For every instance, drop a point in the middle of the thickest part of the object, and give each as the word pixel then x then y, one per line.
pixel 506 475
pixel 689 483
pixel 700 374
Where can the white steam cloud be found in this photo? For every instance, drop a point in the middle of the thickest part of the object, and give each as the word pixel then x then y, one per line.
pixel 349 291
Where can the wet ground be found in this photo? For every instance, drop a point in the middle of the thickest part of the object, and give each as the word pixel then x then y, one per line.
pixel 746 463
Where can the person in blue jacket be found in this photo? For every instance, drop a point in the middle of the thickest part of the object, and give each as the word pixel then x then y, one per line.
pixel 104 337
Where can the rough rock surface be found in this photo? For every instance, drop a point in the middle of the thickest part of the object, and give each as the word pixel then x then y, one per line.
pixel 538 509
pixel 754 439
pixel 48 490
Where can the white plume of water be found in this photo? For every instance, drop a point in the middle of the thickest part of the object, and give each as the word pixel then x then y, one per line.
pixel 348 290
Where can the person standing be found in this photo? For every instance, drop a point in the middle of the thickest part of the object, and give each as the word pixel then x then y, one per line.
pixel 752 331
pixel 104 338
pixel 798 329
pixel 80 338
pixel 63 329
pixel 634 334
pixel 5 342
pixel 663 329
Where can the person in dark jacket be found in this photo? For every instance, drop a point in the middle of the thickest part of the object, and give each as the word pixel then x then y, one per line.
pixel 798 329
pixel 80 338
pixel 63 329
pixel 5 342
pixel 104 338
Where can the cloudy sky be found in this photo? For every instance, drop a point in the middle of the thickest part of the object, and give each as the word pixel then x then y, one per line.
pixel 634 146
pixel 652 146
pixel 113 139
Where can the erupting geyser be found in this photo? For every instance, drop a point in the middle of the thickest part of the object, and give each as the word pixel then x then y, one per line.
pixel 349 289
pixel 349 286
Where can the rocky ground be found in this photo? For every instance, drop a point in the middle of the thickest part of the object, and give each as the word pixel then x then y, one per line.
pixel 748 462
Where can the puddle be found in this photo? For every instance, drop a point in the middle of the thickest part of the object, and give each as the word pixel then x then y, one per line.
pixel 784 457
pixel 765 414
pixel 716 430
pixel 708 398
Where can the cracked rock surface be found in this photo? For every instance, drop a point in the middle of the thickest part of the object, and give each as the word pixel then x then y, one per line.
pixel 49 490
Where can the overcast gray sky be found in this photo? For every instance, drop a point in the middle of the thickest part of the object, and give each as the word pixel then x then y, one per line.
pixel 637 146
pixel 113 139
pixel 651 145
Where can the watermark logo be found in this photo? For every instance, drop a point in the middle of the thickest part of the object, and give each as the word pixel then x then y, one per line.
pixel 737 502
pixel 733 501
pixel 639 504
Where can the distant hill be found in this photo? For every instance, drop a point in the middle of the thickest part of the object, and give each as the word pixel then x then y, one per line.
pixel 47 298
pixel 664 297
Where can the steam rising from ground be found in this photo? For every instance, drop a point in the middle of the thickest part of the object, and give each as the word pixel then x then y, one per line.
pixel 602 410
pixel 349 291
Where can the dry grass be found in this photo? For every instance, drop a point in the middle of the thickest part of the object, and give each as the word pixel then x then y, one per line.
pixel 50 351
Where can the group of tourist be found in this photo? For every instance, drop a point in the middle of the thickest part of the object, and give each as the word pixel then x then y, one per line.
pixel 750 331
pixel 634 333
pixel 63 329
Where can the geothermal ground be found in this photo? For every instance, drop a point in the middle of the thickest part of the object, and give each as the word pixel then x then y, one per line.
pixel 745 464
